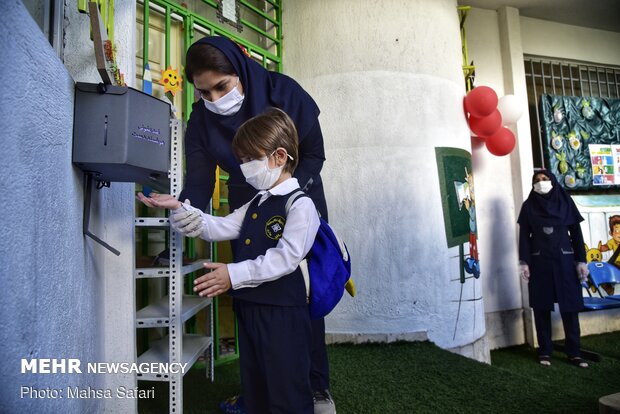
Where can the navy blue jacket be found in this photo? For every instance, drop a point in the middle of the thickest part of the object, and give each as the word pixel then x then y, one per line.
pixel 552 253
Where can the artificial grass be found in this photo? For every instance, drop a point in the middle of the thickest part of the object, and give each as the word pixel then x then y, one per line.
pixel 422 378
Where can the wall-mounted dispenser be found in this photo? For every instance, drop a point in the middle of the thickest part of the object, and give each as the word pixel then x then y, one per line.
pixel 120 134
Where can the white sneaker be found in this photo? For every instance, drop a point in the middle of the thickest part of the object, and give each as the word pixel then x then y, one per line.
pixel 323 402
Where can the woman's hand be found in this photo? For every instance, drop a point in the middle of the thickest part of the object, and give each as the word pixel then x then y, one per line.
pixel 160 200
pixel 582 272
pixel 215 282
pixel 187 220
pixel 524 272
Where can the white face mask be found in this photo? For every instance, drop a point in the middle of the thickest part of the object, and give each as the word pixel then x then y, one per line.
pixel 258 174
pixel 228 104
pixel 543 187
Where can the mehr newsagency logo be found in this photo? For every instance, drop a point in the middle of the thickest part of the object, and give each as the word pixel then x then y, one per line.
pixel 54 366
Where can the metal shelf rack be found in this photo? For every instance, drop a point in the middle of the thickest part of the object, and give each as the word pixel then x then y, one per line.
pixel 174 309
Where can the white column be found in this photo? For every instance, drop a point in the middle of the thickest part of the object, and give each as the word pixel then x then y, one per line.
pixel 387 76
pixel 521 158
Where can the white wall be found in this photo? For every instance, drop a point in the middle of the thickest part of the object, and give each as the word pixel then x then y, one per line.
pixel 387 77
pixel 113 208
pixel 545 38
pixel 502 183
pixel 493 175
pixel 49 300
pixel 64 296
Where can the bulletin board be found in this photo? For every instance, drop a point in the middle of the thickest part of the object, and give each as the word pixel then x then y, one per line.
pixel 581 140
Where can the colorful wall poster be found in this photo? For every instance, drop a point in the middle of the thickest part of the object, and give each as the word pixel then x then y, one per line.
pixel 602 165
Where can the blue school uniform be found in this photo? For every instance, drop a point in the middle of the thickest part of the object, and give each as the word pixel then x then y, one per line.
pixel 551 243
pixel 553 252
pixel 274 323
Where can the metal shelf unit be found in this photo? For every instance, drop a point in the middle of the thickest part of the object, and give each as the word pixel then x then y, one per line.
pixel 157 315
pixel 174 309
pixel 150 272
pixel 192 347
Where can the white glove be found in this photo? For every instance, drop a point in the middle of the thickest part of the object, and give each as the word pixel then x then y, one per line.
pixel 524 272
pixel 187 220
pixel 582 272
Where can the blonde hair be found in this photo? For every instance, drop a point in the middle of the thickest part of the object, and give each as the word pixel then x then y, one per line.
pixel 265 133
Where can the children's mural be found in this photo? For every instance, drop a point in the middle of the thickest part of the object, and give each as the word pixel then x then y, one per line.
pixel 456 183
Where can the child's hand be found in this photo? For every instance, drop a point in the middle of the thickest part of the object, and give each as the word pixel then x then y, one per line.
pixel 160 200
pixel 213 283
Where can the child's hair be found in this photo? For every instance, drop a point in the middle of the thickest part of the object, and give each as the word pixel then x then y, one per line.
pixel 265 133
pixel 203 57
pixel 613 221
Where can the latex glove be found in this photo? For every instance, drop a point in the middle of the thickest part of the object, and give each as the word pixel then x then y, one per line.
pixel 582 272
pixel 524 272
pixel 187 220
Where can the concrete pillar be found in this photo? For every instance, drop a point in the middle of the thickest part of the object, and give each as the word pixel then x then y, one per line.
pixel 520 159
pixel 387 76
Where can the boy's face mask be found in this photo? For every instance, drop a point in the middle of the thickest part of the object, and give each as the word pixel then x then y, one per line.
pixel 258 174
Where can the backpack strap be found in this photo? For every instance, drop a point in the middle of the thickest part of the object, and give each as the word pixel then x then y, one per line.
pixel 292 198
pixel 304 263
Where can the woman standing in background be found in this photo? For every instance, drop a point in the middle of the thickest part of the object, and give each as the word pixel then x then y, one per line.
pixel 552 260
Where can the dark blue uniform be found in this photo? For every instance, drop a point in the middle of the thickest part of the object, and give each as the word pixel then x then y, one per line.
pixel 274 322
pixel 552 253
pixel 551 244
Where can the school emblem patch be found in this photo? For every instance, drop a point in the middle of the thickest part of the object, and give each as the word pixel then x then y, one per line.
pixel 275 227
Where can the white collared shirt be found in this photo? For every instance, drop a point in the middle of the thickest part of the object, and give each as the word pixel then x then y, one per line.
pixel 302 224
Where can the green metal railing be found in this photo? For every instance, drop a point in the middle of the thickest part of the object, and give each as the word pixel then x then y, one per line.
pixel 198 23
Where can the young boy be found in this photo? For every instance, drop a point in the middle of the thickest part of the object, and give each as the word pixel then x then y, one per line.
pixel 267 285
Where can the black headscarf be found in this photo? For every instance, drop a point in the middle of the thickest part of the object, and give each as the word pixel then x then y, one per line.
pixel 556 208
pixel 262 89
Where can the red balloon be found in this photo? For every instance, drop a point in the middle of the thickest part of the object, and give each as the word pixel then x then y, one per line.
pixel 486 126
pixel 501 143
pixel 481 101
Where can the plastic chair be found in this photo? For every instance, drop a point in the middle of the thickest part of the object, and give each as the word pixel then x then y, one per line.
pixel 594 303
pixel 601 272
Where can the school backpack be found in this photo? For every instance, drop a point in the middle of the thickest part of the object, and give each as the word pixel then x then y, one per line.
pixel 326 268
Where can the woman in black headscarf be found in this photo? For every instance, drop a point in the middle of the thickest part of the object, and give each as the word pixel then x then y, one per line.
pixel 552 261
pixel 235 88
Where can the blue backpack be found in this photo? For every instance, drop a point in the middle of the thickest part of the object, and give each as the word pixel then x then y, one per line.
pixel 326 268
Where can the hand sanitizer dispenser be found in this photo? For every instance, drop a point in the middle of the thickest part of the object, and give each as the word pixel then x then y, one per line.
pixel 121 134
